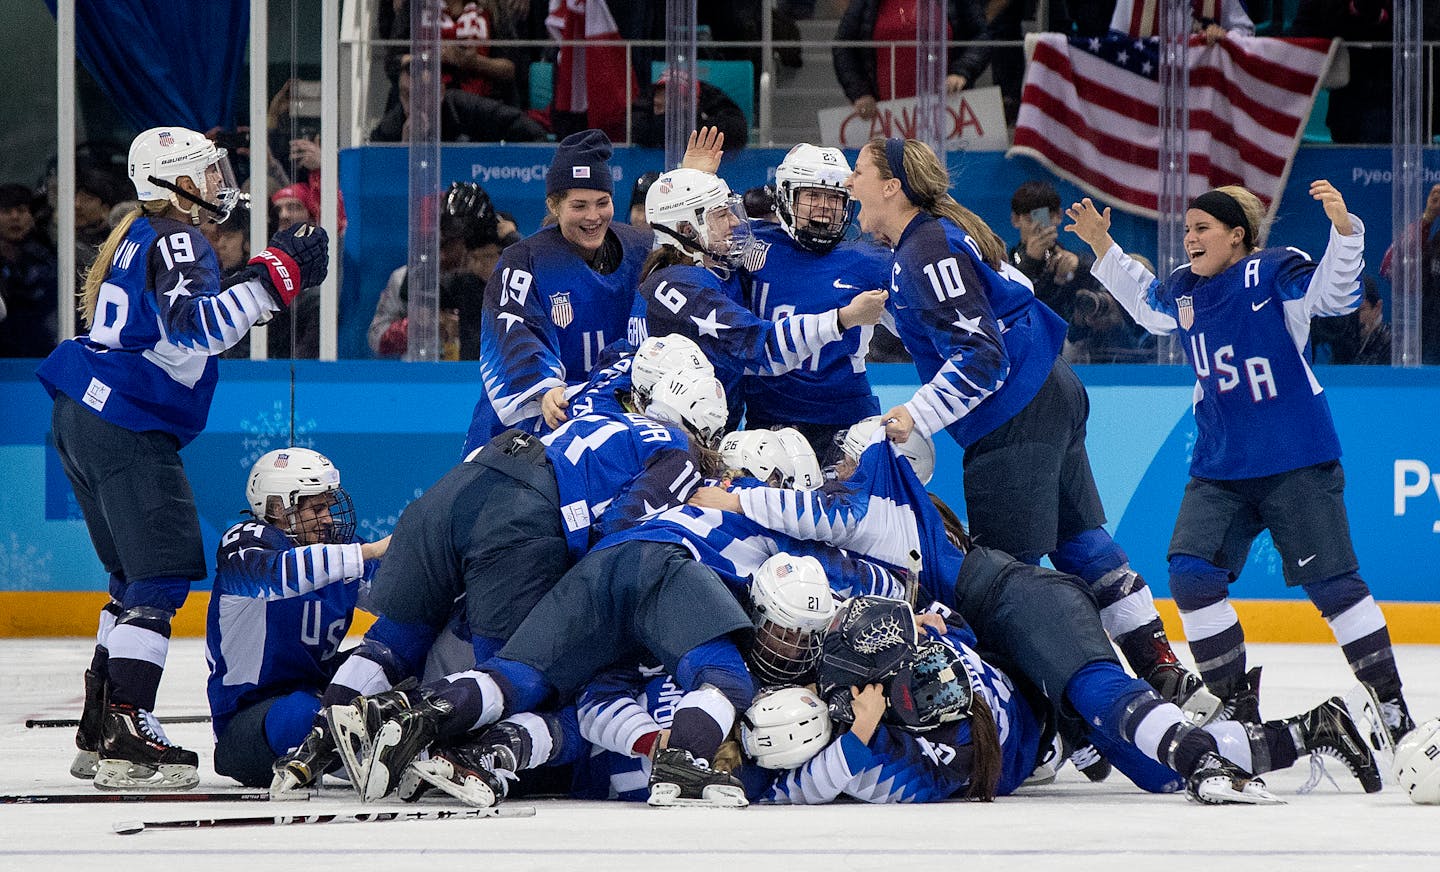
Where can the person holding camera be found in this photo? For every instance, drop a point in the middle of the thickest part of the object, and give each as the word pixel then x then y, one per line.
pixel 1054 271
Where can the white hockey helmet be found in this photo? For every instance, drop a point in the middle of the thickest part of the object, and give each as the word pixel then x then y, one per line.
pixel 918 449
pixel 290 474
pixel 161 155
pixel 785 727
pixel 660 357
pixel 793 605
pixel 817 227
pixel 764 453
pixel 1417 763
pixel 692 399
pixel 695 212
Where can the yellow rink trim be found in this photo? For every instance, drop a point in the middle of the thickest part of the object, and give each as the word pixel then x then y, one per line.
pixel 73 613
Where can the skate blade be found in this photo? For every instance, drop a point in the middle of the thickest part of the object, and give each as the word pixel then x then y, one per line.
pixel 438 774
pixel 378 780
pixel 666 795
pixel 84 765
pixel 124 775
pixel 352 743
pixel 1364 710
pixel 287 786
pixel 1220 790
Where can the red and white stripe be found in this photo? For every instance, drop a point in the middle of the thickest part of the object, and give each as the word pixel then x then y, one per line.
pixel 1096 123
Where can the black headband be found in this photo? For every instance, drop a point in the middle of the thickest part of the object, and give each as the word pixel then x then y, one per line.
pixel 1227 209
pixel 895 159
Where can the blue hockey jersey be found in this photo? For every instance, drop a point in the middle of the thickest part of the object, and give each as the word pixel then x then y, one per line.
pixel 787 278
pixel 697 303
pixel 545 319
pixel 161 317
pixel 981 341
pixel 1259 410
pixel 613 470
pixel 278 613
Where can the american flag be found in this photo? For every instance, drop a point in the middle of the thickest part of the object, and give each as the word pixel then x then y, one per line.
pixel 1090 110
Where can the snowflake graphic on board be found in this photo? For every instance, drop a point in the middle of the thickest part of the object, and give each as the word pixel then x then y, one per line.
pixel 374 529
pixel 269 429
pixel 22 565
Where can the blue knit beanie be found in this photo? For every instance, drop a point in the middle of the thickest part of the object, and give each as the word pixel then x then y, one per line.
pixel 581 161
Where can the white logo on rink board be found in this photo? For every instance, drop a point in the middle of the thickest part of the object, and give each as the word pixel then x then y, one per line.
pixel 1413 479
pixel 96 394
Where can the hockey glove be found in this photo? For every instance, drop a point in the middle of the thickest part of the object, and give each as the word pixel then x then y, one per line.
pixel 298 257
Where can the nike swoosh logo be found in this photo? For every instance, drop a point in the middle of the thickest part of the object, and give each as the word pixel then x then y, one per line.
pixel 1255 307
pixel 841 285
pixel 1304 560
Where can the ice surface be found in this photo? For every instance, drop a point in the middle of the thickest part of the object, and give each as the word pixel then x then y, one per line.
pixel 1071 824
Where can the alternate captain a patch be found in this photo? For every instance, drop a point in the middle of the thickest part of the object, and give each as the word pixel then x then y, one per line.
pixel 1186 315
pixel 561 312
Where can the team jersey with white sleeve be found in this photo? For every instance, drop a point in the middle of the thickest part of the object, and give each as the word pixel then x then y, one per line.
pixel 278 613
pixel 698 304
pixel 979 338
pixel 613 470
pixel 901 766
pixel 546 317
pixel 787 278
pixel 882 512
pixel 161 318
pixel 734 547
pixel 1259 410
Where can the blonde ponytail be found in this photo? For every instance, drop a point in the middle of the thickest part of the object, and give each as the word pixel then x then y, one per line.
pixel 90 293
pixel 930 182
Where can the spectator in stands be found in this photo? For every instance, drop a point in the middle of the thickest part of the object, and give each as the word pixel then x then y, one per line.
pixel 472 235
pixel 1054 271
pixel 294 204
pixel 1374 348
pixel 637 198
pixel 475 67
pixel 28 278
pixel 1426 234
pixel 96 193
pixel 1359 111
pixel 464 117
pixel 865 74
pixel 231 241
pixel 713 108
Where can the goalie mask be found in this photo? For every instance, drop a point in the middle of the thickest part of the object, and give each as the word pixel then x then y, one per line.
pixel 784 727
pixel 660 357
pixel 792 607
pixel 779 458
pixel 1417 763
pixel 161 156
pixel 869 640
pixel 811 199
pixel 298 490
pixel 694 400
pixel 932 689
pixel 695 212
pixel 918 449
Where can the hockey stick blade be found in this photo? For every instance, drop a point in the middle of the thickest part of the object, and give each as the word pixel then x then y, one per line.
pixel 138 796
pixel 130 828
pixel 32 723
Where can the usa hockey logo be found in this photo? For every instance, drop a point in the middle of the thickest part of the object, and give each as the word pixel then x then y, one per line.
pixel 561 313
pixel 1187 312
pixel 282 461
pixel 166 138
pixel 754 257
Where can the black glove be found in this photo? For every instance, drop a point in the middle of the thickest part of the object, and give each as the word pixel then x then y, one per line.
pixel 298 257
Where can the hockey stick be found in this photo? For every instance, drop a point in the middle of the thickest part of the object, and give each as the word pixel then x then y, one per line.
pixel 129 828
pixel 139 796
pixel 31 723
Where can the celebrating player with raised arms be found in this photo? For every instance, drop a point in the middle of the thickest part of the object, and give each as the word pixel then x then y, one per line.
pixel 558 296
pixel 995 380
pixel 128 396
pixel 286 586
pixel 1266 455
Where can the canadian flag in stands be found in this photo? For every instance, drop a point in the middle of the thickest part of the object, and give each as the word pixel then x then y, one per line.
pixel 602 64
pixel 1090 111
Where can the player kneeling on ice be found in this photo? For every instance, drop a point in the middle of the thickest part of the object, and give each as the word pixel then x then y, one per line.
pixel 286 587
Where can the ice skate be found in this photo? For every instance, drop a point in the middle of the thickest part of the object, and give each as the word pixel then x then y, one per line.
pixel 299 771
pixel 135 754
pixel 1217 781
pixel 353 727
pixel 87 735
pixel 1328 729
pixel 677 778
pixel 396 744
pixel 477 775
